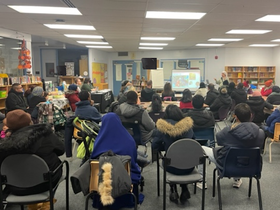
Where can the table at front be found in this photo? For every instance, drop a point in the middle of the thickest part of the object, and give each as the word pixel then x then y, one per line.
pixel 104 98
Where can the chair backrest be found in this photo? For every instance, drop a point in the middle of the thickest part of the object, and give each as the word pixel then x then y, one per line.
pixel 134 129
pixel 223 112
pixel 204 133
pixel 242 162
pixel 184 153
pixel 277 131
pixel 156 115
pixel 276 103
pixel 24 170
pixel 186 110
pixel 167 98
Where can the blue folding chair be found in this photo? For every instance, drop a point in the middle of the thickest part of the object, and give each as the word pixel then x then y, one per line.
pixel 205 134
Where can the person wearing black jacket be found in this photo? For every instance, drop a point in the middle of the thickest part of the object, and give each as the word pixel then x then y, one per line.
pixel 201 117
pixel 257 104
pixel 222 100
pixel 274 97
pixel 15 99
pixel 147 93
pixel 212 94
pixel 36 98
pixel 239 94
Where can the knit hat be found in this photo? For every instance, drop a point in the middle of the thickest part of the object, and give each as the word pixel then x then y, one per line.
pixel 37 91
pixel 257 93
pixel 72 87
pixel 17 119
pixel 268 83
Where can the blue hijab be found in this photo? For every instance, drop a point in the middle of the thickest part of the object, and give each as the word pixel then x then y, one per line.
pixel 113 136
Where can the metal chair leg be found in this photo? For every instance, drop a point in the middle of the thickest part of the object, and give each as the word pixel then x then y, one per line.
pixel 270 150
pixel 259 193
pixel 158 176
pixel 214 183
pixel 219 193
pixel 250 187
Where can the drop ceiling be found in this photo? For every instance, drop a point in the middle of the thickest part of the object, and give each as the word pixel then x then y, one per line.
pixel 123 22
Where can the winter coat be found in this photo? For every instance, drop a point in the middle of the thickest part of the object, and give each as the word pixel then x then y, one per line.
pixel 273 97
pixel 211 96
pixel 244 135
pixel 257 105
pixel 169 131
pixel 73 98
pixel 201 118
pixel 186 105
pixel 172 95
pixel 87 112
pixel 130 111
pixel 239 95
pixel 202 92
pixel 266 91
pixel 146 94
pixel 34 101
pixel 222 100
pixel 272 119
pixel 36 139
pixel 220 81
pixel 15 100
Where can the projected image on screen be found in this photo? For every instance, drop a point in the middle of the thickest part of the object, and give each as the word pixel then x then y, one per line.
pixel 182 79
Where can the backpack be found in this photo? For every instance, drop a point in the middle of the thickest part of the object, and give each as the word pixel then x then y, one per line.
pixel 114 179
pixel 113 106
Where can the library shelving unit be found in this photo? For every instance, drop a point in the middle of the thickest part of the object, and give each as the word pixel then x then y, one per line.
pixel 256 75
pixel 4 89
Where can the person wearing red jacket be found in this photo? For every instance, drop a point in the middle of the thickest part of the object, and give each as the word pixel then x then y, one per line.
pixel 267 89
pixel 73 96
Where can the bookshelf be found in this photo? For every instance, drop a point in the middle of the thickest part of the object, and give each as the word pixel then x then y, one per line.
pixel 256 75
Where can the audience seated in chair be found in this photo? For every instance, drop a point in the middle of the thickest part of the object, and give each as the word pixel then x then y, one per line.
pixel 211 95
pixel 147 93
pixel 242 133
pixel 267 89
pixel 168 94
pixel 85 110
pixel 223 100
pixel 130 110
pixel 231 88
pixel 201 118
pixel 270 122
pixel 186 100
pixel 123 97
pixel 239 95
pixel 257 105
pixel 274 97
pixel 73 96
pixel 202 90
pixel 31 139
pixel 172 127
pixel 113 136
pixel 37 96
pixel 15 99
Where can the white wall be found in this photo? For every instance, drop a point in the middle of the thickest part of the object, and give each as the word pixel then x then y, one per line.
pixel 48 56
pixel 276 59
pixel 36 61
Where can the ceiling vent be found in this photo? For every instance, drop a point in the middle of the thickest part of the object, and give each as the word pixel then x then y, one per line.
pixel 122 53
pixel 68 3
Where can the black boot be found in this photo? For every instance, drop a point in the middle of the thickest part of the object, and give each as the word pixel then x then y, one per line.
pixel 185 194
pixel 173 193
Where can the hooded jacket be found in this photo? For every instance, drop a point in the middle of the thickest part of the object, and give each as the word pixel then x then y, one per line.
pixel 257 105
pixel 15 100
pixel 273 97
pixel 34 101
pixel 221 100
pixel 146 94
pixel 73 98
pixel 201 118
pixel 211 96
pixel 169 131
pixel 272 119
pixel 36 139
pixel 244 135
pixel 201 91
pixel 131 111
pixel 239 95
pixel 87 112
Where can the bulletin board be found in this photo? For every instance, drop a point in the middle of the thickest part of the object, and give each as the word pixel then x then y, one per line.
pixel 99 73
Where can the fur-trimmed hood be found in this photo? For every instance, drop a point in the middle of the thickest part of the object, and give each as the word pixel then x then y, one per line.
pixel 21 139
pixel 173 128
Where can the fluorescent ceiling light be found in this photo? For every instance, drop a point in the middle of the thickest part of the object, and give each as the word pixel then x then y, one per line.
pixel 1 37
pixel 209 45
pixel 245 31
pixel 2 45
pixel 88 42
pixel 46 10
pixel 153 44
pixel 16 48
pixel 158 38
pixel 174 15
pixel 263 45
pixel 270 18
pixel 73 27
pixel 92 46
pixel 224 40
pixel 84 36
pixel 275 40
pixel 151 48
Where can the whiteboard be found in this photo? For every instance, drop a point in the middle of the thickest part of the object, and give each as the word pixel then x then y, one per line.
pixel 157 77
